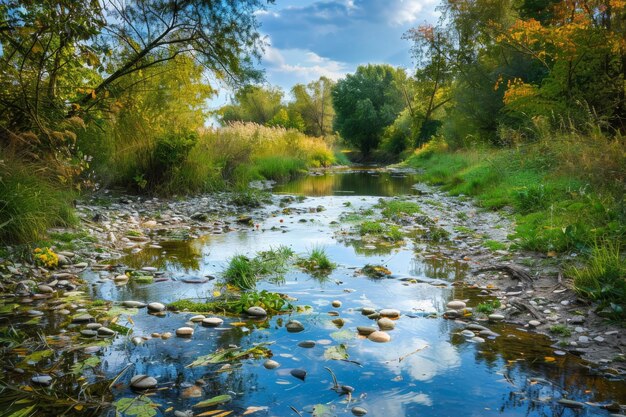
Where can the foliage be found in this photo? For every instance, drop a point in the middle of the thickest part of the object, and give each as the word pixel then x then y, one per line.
pixel 313 102
pixel 317 261
pixel 561 330
pixel 388 232
pixel 366 102
pixel 46 257
pixel 232 354
pixel 254 104
pixel 604 278
pixel 375 271
pixel 140 406
pixel 397 208
pixel 243 272
pixel 488 307
pixel 273 303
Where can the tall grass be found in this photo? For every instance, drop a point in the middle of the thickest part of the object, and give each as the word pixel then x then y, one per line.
pixel 30 201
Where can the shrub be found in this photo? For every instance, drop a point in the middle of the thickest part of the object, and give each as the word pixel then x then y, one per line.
pixel 488 307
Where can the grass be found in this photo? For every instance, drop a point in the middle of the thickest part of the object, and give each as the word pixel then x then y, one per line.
pixel 561 330
pixel 494 245
pixel 30 202
pixel 488 307
pixel 392 232
pixel 272 302
pixel 604 278
pixel 396 208
pixel 317 261
pixel 243 272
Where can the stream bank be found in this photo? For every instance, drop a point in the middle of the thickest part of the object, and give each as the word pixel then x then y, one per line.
pixel 449 250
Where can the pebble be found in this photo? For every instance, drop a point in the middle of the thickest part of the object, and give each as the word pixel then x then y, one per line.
pixel 390 312
pixel 294 326
pixel 559 353
pixel 88 333
pixel 184 332
pixel 197 318
pixel 496 317
pixel 166 335
pixel 366 311
pixel 534 323
pixel 583 339
pixel 45 289
pixel 256 311
pixel 34 313
pixel 456 305
pixel 359 411
pixel 193 391
pixel 155 335
pixel 307 344
pixel 570 403
pixel 83 318
pixel 386 324
pixel 336 303
pixel 92 349
pixel 379 337
pixel 577 320
pixel 133 304
pixel 141 382
pixel 365 330
pixel 298 373
pixel 477 339
pixel 270 364
pixel 137 340
pixel 212 322
pixel 599 339
pixel 468 333
pixel 452 314
pixel 339 322
pixel 105 331
pixel 156 307
pixel 476 327
pixel 42 380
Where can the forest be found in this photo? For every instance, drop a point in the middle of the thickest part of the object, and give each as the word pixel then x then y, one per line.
pixel 516 105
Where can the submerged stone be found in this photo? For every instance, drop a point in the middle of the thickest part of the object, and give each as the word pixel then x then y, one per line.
pixel 143 382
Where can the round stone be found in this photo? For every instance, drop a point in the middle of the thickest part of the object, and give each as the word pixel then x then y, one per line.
pixel 534 323
pixel 386 324
pixel 298 373
pixel 452 314
pixel 137 340
pixel 88 333
pixel 121 278
pixel 476 327
pixel 307 344
pixel 197 318
pixel 212 322
pixel 184 332
pixel 256 311
pixel 45 289
pixel 166 335
pixel 142 382
pixel 359 411
pixel 83 318
pixel 133 304
pixel 156 307
pixel 365 330
pixel 379 337
pixel 42 380
pixel 294 326
pixel 390 312
pixel 270 364
pixel 93 326
pixel 105 331
pixel 339 322
pixel 467 333
pixel 477 339
pixel 336 303
pixel 366 311
pixel 496 317
pixel 456 305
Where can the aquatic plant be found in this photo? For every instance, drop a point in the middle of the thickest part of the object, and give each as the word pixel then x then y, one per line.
pixel 488 307
pixel 317 261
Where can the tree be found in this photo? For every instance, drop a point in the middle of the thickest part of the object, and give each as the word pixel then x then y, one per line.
pixel 253 103
pixel 314 103
pixel 366 102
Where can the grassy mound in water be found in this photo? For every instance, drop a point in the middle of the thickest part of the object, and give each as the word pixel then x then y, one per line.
pixel 271 302
pixel 566 194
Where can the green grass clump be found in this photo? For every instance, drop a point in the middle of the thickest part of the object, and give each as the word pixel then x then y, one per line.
pixel 395 208
pixel 561 330
pixel 604 278
pixel 243 272
pixel 488 307
pixel 279 168
pixel 249 197
pixel 494 245
pixel 30 203
pixel 317 261
pixel 371 228
pixel 272 302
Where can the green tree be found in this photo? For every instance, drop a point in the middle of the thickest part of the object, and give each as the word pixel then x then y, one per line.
pixel 366 102
pixel 253 103
pixel 314 103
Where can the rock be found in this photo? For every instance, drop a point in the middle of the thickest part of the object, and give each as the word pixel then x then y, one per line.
pixel 365 330
pixel 452 314
pixel 386 324
pixel 197 318
pixel 298 373
pixel 83 318
pixel 339 322
pixel 476 327
pixel 570 403
pixel 270 364
pixel 307 344
pixel 534 323
pixel 133 304
pixel 294 326
pixel 374 316
pixel 256 311
pixel 379 337
pixel 477 339
pixel 212 322
pixel 34 313
pixel 203 217
pixel 137 340
pixel 599 339
pixel 488 333
pixel 184 332
pixel 92 349
pixel 336 303
pixel 583 339
pixel 62 259
pixel 155 335
pixel 577 320
pixel 45 289
pixel 187 413
pixel 390 312
pixel 88 333
pixel 156 307
pixel 366 311
pixel 166 335
pixel 93 326
pixel 359 411
pixel 105 331
pixel 456 305
pixel 44 380
pixel 193 391
pixel 559 353
pixel 467 333
pixel 142 382
pixel 496 317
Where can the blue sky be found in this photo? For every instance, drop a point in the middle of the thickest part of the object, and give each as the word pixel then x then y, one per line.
pixel 311 38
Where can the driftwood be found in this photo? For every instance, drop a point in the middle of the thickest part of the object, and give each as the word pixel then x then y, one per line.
pixel 514 271
pixel 520 305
